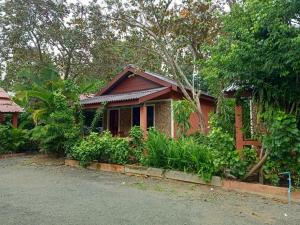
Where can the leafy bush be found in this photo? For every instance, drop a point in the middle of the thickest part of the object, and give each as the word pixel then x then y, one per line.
pixel 182 111
pixel 13 139
pixel 102 148
pixel 54 108
pixel 241 161
pixel 60 130
pixel 282 141
pixel 184 154
pixel 209 155
pixel 137 144
pixel 157 147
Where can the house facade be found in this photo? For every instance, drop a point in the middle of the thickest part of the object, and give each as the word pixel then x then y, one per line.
pixel 144 99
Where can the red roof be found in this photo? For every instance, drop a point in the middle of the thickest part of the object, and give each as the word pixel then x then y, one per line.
pixel 126 86
pixel 7 105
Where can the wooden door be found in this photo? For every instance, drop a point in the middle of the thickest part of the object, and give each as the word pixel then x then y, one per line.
pixel 114 121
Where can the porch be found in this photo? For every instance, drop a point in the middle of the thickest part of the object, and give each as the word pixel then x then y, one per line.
pixel 119 120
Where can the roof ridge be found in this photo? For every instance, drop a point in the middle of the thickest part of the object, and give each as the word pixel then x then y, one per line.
pixel 167 79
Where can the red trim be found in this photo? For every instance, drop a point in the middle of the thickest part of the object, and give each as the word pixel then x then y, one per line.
pixel 252 142
pixel 123 103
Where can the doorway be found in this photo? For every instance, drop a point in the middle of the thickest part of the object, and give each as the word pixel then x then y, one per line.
pixel 114 122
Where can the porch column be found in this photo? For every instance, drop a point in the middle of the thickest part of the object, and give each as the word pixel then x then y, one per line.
pixel 1 118
pixel 143 119
pixel 15 120
pixel 239 137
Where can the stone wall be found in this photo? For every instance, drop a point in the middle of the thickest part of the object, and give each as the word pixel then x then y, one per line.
pixel 163 117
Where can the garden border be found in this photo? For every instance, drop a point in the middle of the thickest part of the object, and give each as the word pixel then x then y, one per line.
pixel 252 188
pixel 10 155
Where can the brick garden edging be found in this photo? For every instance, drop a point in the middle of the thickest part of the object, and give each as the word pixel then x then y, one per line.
pixel 260 189
pixel 10 155
pixel 147 171
pixel 98 166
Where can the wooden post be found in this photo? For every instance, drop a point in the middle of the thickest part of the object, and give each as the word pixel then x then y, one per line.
pixel 143 119
pixel 239 137
pixel 15 120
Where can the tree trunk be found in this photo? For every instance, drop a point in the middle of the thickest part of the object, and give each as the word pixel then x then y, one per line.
pixel 257 166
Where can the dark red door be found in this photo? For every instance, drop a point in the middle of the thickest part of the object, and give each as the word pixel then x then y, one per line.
pixel 114 121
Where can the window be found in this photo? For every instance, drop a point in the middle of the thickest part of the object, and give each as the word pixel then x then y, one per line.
pixel 136 116
pixel 150 116
pixel 88 116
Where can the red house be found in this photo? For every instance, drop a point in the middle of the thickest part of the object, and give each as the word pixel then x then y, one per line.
pixel 144 99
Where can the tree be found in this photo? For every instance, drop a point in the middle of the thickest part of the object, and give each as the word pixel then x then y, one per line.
pixel 259 50
pixel 173 32
pixel 53 105
pixel 23 26
pixel 36 33
pixel 75 38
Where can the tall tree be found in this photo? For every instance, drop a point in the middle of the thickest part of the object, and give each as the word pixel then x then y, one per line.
pixel 77 39
pixel 175 33
pixel 260 49
pixel 23 41
pixel 38 32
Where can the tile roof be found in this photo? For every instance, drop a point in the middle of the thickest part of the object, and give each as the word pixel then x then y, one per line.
pixel 7 105
pixel 121 97
pixel 86 96
pixel 3 94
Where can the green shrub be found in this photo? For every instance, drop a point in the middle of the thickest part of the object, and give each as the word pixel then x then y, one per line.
pixel 184 154
pixel 60 130
pixel 102 148
pixel 282 141
pixel 118 152
pixel 87 150
pixel 157 147
pixel 137 144
pixel 13 139
pixel 241 162
pixel 182 111
pixel 227 160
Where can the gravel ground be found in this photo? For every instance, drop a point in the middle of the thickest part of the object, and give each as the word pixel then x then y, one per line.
pixel 41 191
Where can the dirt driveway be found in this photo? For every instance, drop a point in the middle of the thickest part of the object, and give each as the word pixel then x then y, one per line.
pixel 36 191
